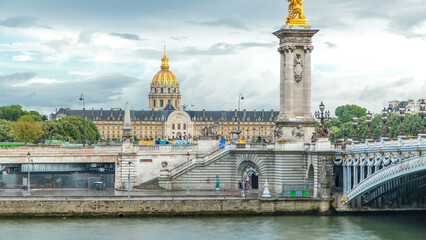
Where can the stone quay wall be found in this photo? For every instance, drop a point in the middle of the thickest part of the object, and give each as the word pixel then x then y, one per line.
pixel 166 207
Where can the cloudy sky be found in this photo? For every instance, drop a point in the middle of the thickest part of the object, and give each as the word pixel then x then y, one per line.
pixel 367 52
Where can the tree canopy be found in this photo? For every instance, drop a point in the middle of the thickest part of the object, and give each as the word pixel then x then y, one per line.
pixel 26 129
pixel 6 131
pixel 70 128
pixel 347 112
pixel 14 112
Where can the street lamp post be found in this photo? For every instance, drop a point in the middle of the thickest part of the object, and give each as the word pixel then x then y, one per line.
pixel 28 180
pixel 422 113
pixel 128 182
pixel 187 174
pixel 240 97
pixel 384 120
pixel 355 124
pixel 322 116
pixel 401 117
pixel 369 116
pixel 84 118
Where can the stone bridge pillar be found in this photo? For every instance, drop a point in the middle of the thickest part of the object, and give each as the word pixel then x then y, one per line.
pixel 295 122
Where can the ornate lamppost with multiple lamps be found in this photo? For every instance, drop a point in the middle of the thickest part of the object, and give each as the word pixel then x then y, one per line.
pixel 368 121
pixel 422 113
pixel 401 117
pixel 322 116
pixel 384 120
pixel 355 124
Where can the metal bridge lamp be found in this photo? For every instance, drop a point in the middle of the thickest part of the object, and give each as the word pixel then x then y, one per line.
pixel 28 180
pixel 187 174
pixel 355 124
pixel 401 117
pixel 368 121
pixel 422 113
pixel 384 120
pixel 128 182
pixel 84 118
pixel 240 97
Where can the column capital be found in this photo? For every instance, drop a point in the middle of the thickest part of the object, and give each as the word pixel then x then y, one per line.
pixel 308 49
pixel 286 49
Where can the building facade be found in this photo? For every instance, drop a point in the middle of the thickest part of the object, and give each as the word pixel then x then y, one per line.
pixel 165 119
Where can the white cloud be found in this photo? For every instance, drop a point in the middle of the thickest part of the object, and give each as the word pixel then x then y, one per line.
pixel 22 58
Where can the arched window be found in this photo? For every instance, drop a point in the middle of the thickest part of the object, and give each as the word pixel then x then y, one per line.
pixel 173 126
pixel 169 90
pixel 178 126
pixel 184 126
pixel 161 90
pixel 154 103
pixel 161 103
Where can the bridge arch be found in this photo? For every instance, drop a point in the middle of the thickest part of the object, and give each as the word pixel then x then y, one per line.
pixel 250 167
pixel 406 177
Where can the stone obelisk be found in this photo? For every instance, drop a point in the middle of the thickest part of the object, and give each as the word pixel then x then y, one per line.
pixel 295 122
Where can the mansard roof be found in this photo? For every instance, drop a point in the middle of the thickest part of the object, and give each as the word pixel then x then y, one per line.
pixel 162 115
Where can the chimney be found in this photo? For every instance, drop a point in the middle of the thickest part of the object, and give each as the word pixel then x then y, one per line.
pixel 272 113
pixel 67 110
pixel 204 113
pixel 263 113
pixel 102 113
pixel 56 110
pixel 93 112
pixel 120 113
pixel 235 113
pixel 152 112
pixel 112 113
pixel 244 113
pixel 254 113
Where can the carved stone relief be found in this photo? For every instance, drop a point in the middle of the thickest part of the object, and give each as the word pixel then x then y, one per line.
pixel 298 67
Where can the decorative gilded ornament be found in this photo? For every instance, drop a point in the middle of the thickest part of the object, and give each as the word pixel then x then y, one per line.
pixel 295 13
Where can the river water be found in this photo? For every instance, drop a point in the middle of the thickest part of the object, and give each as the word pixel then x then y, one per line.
pixel 401 227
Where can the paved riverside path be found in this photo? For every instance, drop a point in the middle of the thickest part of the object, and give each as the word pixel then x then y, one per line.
pixel 112 193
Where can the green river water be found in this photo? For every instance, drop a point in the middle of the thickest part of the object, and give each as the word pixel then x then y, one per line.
pixel 401 227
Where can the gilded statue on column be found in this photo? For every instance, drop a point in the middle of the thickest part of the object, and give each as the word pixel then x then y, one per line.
pixel 295 13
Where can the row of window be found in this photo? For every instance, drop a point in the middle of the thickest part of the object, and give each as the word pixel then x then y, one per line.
pixel 163 101
pixel 168 90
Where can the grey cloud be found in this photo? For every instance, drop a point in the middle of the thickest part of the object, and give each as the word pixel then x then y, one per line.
pixel 58 44
pixel 330 45
pixel 102 89
pixel 23 22
pixel 20 76
pixel 85 37
pixel 224 48
pixel 128 36
pixel 148 53
pixel 224 22
pixel 179 38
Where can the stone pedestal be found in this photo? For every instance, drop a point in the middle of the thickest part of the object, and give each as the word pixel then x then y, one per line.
pixel 295 122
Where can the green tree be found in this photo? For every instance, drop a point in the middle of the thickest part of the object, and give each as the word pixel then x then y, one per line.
pixel 376 126
pixel 70 128
pixel 26 129
pixel 6 131
pixel 346 113
pixel 35 115
pixel 11 113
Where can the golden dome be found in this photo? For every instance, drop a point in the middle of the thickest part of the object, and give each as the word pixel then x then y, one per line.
pixel 164 77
